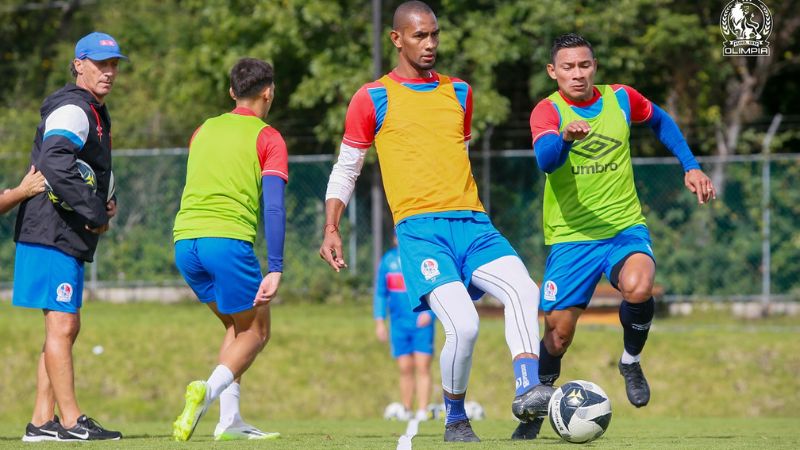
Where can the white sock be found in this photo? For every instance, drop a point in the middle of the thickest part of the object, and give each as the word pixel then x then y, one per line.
pixel 220 378
pixel 627 358
pixel 229 404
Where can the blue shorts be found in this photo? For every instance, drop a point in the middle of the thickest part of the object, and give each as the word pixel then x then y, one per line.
pixel 574 268
pixel 220 269
pixel 406 338
pixel 440 248
pixel 47 278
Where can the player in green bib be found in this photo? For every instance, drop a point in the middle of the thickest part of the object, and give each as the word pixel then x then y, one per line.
pixel 592 216
pixel 237 163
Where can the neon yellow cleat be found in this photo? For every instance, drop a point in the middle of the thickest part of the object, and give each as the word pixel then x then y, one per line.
pixel 194 409
pixel 242 431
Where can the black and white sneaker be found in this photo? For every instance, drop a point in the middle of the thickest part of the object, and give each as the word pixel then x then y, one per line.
pixel 635 384
pixel 528 430
pixel 47 432
pixel 460 431
pixel 533 403
pixel 87 429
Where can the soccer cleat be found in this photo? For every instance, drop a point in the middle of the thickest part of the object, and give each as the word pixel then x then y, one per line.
pixel 193 410
pixel 47 432
pixel 241 431
pixel 528 430
pixel 87 429
pixel 460 431
pixel 635 384
pixel 532 404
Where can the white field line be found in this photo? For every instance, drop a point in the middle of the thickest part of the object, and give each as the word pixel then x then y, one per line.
pixel 404 443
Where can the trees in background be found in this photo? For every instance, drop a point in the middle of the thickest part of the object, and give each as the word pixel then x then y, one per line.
pixel 181 50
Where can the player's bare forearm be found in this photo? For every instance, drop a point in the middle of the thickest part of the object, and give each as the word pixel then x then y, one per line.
pixel 331 249
pixel 31 184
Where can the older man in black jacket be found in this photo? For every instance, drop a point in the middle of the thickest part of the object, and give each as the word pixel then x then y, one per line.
pixel 54 239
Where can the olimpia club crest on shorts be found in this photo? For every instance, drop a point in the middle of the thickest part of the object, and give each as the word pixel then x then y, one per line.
pixel 64 293
pixel 746 25
pixel 429 269
pixel 550 290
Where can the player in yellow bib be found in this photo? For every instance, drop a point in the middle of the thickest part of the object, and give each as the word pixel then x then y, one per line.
pixel 592 215
pixel 419 121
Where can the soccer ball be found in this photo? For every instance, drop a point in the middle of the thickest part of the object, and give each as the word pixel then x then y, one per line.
pixel 579 411
pixel 88 175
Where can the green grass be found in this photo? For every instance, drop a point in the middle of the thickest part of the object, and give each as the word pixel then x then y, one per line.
pixel 699 433
pixel 324 378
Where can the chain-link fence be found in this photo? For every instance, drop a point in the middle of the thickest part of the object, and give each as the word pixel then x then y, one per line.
pixel 742 246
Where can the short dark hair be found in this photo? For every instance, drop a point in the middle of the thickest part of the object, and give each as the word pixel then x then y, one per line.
pixel 569 40
pixel 249 76
pixel 72 69
pixel 407 8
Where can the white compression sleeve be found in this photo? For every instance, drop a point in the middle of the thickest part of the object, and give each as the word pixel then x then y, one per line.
pixel 453 307
pixel 345 172
pixel 508 280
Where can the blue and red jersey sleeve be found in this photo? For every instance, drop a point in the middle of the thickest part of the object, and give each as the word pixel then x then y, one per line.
pixel 272 153
pixel 273 157
pixel 367 108
pixel 360 121
pixel 545 118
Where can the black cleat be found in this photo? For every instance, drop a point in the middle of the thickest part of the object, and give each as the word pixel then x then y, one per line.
pixel 528 430
pixel 460 431
pixel 635 384
pixel 87 429
pixel 533 403
pixel 47 432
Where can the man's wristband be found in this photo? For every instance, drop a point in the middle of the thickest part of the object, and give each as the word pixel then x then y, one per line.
pixel 332 227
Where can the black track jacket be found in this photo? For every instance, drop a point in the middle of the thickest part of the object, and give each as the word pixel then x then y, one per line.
pixel 62 137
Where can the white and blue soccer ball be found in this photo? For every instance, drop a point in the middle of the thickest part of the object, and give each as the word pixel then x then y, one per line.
pixel 579 411
pixel 88 175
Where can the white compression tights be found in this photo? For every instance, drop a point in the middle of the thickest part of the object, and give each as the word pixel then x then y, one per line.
pixel 505 279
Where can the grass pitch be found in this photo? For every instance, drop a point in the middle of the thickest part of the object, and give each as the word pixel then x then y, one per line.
pixel 700 433
pixel 717 382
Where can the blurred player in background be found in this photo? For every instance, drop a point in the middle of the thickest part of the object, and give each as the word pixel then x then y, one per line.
pixel 32 183
pixel 411 334
pixel 420 122
pixel 592 215
pixel 53 243
pixel 236 161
